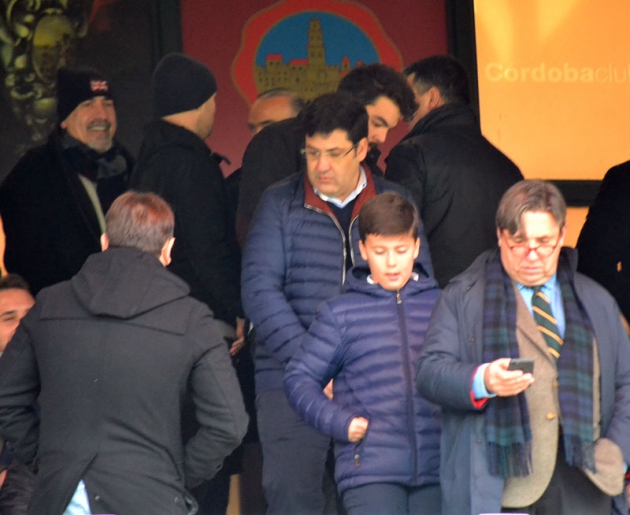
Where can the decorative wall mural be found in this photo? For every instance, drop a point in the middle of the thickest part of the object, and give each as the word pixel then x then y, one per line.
pixel 308 46
pixel 37 37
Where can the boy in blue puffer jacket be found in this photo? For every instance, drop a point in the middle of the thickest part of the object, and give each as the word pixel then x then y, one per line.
pixel 367 340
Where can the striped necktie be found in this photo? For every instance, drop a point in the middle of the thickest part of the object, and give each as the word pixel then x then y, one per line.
pixel 546 322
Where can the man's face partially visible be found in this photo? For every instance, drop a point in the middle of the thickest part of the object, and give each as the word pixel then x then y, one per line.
pixel 333 162
pixel 269 110
pixel 93 123
pixel 530 257
pixel 384 115
pixel 391 258
pixel 207 114
pixel 422 99
pixel 14 304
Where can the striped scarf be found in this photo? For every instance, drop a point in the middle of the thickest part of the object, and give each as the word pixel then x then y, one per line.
pixel 508 432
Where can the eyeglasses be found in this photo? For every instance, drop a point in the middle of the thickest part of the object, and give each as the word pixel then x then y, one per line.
pixel 544 250
pixel 333 155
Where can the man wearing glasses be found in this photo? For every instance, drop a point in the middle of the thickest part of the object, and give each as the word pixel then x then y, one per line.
pixel 549 439
pixel 302 242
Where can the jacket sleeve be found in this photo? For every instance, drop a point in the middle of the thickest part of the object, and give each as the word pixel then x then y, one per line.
pixel 317 362
pixel 19 389
pixel 218 404
pixel 205 231
pixel 614 356
pixel 405 167
pixel 604 243
pixel 268 158
pixel 278 327
pixel 443 374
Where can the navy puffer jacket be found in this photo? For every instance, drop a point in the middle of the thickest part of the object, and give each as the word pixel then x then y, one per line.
pixel 368 341
pixel 294 259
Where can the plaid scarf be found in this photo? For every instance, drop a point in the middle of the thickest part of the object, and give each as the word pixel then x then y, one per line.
pixel 508 433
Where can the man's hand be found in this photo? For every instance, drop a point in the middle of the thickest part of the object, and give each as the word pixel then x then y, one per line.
pixel 498 379
pixel 238 344
pixel 357 429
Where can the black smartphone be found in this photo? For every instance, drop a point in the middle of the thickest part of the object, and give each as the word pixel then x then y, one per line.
pixel 524 364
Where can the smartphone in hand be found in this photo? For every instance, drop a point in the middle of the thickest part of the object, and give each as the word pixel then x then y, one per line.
pixel 524 364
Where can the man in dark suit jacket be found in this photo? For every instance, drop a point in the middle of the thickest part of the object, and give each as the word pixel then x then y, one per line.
pixel 111 355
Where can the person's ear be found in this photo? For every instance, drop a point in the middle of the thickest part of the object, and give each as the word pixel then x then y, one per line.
pixel 165 254
pixel 435 98
pixel 104 242
pixel 416 251
pixel 362 149
pixel 363 251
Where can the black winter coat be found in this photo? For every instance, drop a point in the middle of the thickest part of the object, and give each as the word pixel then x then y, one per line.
pixel 457 178
pixel 111 355
pixel 50 223
pixel 604 243
pixel 177 165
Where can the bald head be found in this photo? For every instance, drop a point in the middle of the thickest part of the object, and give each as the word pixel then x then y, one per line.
pixel 271 107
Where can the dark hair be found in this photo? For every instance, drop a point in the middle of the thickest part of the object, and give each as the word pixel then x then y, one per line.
pixel 445 73
pixel 140 221
pixel 388 214
pixel 333 111
pixel 369 82
pixel 297 103
pixel 13 282
pixel 530 196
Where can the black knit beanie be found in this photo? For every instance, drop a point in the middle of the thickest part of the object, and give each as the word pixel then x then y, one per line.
pixel 76 86
pixel 180 83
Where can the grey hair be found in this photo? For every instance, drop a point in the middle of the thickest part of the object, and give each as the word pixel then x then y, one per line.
pixel 530 196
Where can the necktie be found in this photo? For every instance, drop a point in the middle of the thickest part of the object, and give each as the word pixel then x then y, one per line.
pixel 546 322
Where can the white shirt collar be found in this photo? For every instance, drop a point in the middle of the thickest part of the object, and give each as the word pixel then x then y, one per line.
pixel 354 194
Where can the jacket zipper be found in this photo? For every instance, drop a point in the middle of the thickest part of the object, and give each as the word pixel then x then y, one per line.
pixel 343 237
pixel 410 411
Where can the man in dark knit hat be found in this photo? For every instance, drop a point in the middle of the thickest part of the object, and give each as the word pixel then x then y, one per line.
pixel 53 201
pixel 176 163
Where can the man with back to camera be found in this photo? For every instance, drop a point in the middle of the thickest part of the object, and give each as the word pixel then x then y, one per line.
pixel 53 201
pixel 554 441
pixel 456 176
pixel 176 163
pixel 110 355
pixel 274 154
pixel 303 240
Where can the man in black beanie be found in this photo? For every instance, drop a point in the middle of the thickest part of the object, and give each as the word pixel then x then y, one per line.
pixel 176 163
pixel 53 202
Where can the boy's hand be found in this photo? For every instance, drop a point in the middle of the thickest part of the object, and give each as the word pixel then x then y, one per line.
pixel 328 391
pixel 357 429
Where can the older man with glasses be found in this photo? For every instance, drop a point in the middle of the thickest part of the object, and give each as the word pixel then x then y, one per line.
pixel 531 365
pixel 303 240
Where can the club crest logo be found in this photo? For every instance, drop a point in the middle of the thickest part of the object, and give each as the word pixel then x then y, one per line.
pixel 308 46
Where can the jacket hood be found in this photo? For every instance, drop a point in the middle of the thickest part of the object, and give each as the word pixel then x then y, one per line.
pixel 124 283
pixel 357 281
